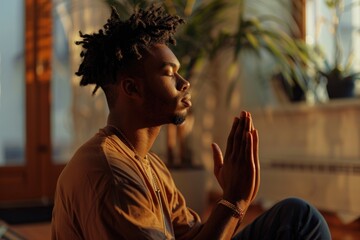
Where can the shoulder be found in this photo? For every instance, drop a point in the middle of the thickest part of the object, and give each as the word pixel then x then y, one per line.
pixel 92 158
pixel 87 167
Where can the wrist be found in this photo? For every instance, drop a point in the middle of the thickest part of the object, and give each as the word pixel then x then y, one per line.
pixel 241 204
pixel 237 212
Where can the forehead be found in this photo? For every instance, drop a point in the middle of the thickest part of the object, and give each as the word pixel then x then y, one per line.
pixel 161 55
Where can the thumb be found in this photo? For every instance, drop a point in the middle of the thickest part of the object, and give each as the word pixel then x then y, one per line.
pixel 218 158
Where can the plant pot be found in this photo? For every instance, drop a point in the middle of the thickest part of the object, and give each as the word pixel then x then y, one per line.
pixel 344 88
pixel 293 92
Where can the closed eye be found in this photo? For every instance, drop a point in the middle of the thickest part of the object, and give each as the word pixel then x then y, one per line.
pixel 171 69
pixel 169 74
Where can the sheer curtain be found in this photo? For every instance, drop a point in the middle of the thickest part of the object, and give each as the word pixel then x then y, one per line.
pixel 76 113
pixel 319 28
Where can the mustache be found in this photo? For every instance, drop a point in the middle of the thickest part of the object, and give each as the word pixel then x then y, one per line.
pixel 187 95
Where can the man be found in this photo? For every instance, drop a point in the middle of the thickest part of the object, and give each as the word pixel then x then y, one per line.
pixel 114 188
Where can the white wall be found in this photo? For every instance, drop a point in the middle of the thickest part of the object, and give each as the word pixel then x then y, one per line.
pixel 312 152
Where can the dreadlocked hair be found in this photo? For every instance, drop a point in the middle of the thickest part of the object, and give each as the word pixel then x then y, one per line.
pixel 122 41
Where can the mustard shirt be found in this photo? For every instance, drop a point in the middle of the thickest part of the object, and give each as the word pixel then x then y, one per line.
pixel 104 192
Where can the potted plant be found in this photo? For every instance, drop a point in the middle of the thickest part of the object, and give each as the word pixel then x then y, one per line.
pixel 267 34
pixel 339 74
pixel 300 78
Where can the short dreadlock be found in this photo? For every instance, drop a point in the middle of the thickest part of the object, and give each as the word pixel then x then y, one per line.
pixel 120 42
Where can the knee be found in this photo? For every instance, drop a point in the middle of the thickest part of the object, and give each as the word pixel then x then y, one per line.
pixel 306 217
pixel 299 209
pixel 294 204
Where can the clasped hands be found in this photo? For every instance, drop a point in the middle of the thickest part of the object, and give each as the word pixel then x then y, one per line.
pixel 238 171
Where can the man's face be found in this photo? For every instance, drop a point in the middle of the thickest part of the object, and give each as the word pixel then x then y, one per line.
pixel 166 94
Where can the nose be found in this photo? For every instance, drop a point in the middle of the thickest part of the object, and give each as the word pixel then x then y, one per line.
pixel 182 83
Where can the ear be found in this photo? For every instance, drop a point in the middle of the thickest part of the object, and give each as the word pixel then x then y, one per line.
pixel 131 87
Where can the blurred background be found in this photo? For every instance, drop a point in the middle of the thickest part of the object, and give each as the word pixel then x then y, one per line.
pixel 294 64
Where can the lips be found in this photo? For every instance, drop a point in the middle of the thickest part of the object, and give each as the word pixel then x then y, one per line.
pixel 187 100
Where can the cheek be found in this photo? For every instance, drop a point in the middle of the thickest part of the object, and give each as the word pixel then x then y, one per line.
pixel 164 92
pixel 165 100
pixel 161 102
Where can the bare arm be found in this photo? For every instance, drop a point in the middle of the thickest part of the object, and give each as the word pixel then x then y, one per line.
pixel 238 173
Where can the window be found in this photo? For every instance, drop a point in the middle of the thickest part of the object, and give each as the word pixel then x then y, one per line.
pixel 12 84
pixel 44 114
pixel 320 28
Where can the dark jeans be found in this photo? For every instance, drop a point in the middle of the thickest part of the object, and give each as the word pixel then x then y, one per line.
pixel 290 219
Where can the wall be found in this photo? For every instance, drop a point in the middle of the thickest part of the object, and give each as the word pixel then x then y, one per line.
pixel 312 152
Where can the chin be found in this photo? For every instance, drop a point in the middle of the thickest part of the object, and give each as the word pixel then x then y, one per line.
pixel 178 119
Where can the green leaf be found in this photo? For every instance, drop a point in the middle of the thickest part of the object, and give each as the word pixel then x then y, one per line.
pixel 252 40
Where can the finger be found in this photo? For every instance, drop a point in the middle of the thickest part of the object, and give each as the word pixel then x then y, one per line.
pixel 250 163
pixel 245 132
pixel 230 140
pixel 256 161
pixel 239 138
pixel 249 122
pixel 252 127
pixel 218 158
pixel 247 127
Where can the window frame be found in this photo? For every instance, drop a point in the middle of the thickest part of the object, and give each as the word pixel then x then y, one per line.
pixel 35 180
pixel 299 14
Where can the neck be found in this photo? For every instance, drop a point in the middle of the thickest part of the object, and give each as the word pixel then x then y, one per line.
pixel 139 138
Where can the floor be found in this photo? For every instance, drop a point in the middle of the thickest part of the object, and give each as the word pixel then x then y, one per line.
pixel 42 231
pixel 37 231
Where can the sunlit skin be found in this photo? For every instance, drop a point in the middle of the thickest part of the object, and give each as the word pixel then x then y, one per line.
pixel 241 154
pixel 155 94
pixel 166 94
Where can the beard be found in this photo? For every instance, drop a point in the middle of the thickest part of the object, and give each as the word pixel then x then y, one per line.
pixel 178 119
